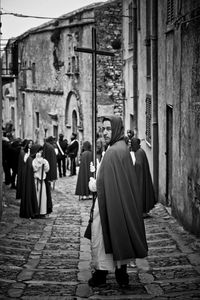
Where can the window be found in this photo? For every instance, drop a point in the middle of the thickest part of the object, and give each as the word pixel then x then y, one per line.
pixel 37 117
pixel 12 115
pixel 74 121
pixel 33 73
pixel 55 131
pixel 73 65
pixel 170 11
pixel 148 119
pixel 23 101
pixel 130 24
pixel 148 40
pixel 138 14
pixel 24 75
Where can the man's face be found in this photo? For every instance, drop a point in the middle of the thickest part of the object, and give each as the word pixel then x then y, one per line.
pixel 107 132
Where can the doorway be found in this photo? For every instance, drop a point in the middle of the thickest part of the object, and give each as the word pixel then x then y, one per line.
pixel 74 122
pixel 169 157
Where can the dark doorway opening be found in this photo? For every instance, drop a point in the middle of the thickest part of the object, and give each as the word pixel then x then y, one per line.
pixel 169 157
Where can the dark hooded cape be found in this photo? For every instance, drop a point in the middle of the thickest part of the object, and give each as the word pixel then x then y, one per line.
pixel 50 155
pixel 29 205
pixel 84 174
pixel 119 200
pixel 145 181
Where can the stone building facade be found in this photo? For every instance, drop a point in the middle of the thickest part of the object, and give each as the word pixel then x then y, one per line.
pixel 167 81
pixel 54 82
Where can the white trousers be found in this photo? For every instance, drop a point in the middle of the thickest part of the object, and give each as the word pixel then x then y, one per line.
pixel 101 260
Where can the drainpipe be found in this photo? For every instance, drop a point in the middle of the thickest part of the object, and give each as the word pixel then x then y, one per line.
pixel 154 54
pixel 135 68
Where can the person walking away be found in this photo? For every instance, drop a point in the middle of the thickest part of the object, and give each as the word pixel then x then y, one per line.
pixel 118 232
pixel 40 168
pixel 26 184
pixel 49 153
pixel 84 174
pixel 61 156
pixel 144 176
pixel 72 153
pixel 14 152
pixel 5 160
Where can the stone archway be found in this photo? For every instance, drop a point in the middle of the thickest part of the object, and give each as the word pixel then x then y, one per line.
pixel 73 102
pixel 74 115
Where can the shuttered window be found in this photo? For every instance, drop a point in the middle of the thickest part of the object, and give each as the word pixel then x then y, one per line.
pixel 170 11
pixel 130 24
pixel 148 119
pixel 148 40
pixel 33 73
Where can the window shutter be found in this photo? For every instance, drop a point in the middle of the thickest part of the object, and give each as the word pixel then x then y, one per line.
pixel 148 119
pixel 170 11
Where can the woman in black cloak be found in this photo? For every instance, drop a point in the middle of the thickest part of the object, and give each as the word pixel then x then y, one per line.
pixel 84 174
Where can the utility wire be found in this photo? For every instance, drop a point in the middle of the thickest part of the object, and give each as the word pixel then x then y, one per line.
pixel 27 16
pixel 40 17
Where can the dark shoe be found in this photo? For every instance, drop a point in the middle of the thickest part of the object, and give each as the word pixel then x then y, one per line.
pixel 98 278
pixel 122 277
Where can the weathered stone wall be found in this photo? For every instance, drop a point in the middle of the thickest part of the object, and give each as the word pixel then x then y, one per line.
pixel 186 202
pixel 110 85
pixel 178 66
pixel 179 89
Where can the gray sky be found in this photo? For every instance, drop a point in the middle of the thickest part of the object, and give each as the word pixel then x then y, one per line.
pixel 13 26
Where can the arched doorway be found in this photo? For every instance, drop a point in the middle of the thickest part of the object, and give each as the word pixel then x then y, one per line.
pixel 73 115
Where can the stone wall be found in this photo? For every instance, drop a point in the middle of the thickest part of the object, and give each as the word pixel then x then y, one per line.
pixel 110 85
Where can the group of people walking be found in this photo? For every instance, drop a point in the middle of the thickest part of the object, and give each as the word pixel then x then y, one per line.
pixel 31 169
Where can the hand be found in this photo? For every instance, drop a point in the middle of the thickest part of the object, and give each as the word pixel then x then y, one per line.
pixel 92 184
pixel 92 168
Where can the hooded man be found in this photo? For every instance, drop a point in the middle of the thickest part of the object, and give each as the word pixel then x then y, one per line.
pixel 118 233
pixel 144 177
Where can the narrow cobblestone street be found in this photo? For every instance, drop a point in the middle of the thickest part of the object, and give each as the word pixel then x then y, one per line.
pixel 50 259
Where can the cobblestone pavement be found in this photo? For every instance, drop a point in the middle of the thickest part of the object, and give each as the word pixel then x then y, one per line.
pixel 50 259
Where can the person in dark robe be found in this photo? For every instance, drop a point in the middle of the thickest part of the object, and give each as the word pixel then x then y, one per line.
pixel 144 176
pixel 84 174
pixel 118 232
pixel 26 184
pixel 49 153
pixel 72 152
pixel 14 151
pixel 62 145
pixel 5 160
